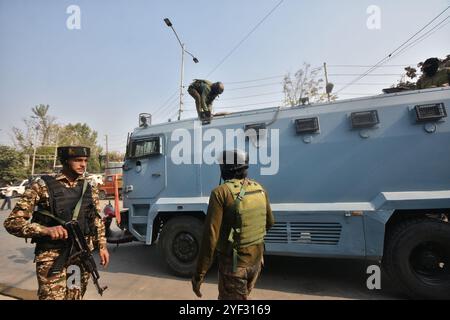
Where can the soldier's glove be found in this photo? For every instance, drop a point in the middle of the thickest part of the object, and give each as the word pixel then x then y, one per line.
pixel 196 283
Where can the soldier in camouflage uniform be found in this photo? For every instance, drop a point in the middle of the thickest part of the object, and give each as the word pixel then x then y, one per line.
pixel 204 92
pixel 59 196
pixel 431 77
pixel 238 216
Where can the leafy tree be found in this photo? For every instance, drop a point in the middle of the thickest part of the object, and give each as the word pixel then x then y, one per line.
pixel 11 165
pixel 116 156
pixel 40 129
pixel 304 86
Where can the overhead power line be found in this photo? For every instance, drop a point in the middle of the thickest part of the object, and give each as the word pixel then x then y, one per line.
pixel 437 27
pixel 385 59
pixel 245 38
pixel 255 86
pixel 250 104
pixel 254 80
pixel 366 66
pixel 369 75
pixel 252 96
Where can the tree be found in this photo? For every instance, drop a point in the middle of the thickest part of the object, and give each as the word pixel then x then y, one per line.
pixel 11 165
pixel 304 86
pixel 40 129
pixel 116 156
pixel 43 133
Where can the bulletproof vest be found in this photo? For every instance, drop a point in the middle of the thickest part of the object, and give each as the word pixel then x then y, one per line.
pixel 62 202
pixel 250 214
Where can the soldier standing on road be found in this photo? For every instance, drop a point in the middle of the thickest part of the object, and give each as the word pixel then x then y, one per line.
pixel 57 197
pixel 431 77
pixel 238 217
pixel 204 92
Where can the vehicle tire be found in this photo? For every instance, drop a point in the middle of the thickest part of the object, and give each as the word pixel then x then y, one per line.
pixel 180 244
pixel 417 258
pixel 102 195
pixel 15 194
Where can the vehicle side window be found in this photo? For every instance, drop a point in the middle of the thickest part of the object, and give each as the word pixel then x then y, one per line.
pixel 142 148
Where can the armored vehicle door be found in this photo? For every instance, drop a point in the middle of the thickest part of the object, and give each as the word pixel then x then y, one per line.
pixel 144 174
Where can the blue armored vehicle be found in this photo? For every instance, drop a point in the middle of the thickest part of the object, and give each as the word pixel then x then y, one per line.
pixel 363 178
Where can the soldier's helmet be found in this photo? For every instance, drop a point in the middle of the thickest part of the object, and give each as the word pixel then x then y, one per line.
pixel 68 152
pixel 232 161
pixel 217 88
pixel 430 66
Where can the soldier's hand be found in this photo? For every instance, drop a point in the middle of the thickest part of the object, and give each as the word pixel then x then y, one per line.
pixel 56 233
pixel 196 283
pixel 104 257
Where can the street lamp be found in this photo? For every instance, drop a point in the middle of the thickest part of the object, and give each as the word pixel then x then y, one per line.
pixel 183 50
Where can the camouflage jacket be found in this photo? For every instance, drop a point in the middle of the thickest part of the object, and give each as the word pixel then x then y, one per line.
pixel 203 87
pixel 18 222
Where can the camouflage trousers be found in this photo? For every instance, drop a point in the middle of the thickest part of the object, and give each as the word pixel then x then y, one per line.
pixel 236 285
pixel 63 285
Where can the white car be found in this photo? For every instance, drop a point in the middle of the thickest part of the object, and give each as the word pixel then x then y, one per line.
pixel 97 178
pixel 17 189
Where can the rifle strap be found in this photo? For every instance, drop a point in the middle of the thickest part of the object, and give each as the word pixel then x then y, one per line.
pixel 76 211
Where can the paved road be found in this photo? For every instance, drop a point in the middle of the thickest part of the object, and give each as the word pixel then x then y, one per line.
pixel 138 272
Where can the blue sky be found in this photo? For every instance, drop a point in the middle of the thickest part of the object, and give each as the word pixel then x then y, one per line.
pixel 125 60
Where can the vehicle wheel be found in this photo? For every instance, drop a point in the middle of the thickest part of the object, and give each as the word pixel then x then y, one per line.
pixel 102 195
pixel 417 258
pixel 180 244
pixel 15 194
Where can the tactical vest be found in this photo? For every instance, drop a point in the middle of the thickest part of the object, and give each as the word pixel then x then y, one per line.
pixel 250 214
pixel 62 202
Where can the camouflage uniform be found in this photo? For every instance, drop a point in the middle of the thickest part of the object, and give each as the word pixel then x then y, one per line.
pixel 232 285
pixel 18 224
pixel 203 87
pixel 204 92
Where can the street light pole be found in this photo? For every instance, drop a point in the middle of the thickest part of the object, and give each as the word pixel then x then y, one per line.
pixel 183 51
pixel 180 110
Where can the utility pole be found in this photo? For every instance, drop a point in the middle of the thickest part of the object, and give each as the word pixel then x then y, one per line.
pixel 34 150
pixel 107 154
pixel 56 151
pixel 34 159
pixel 326 80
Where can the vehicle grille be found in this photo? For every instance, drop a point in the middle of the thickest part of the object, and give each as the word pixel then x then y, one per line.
pixel 322 233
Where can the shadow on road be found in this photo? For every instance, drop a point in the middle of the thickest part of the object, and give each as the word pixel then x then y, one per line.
pixel 335 278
